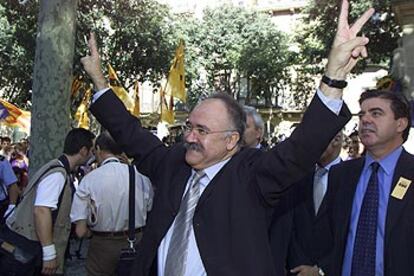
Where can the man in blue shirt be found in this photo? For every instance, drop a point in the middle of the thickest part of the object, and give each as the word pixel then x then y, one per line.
pixel 8 187
pixel 372 203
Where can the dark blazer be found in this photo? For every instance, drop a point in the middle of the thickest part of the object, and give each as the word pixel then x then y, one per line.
pixel 311 240
pixel 399 225
pixel 298 236
pixel 230 221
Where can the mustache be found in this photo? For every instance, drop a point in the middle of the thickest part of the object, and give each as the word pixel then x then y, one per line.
pixel 367 127
pixel 193 146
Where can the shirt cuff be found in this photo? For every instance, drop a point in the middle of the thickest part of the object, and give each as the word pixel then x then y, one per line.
pixel 99 93
pixel 334 105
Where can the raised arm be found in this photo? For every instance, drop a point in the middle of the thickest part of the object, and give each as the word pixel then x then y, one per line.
pixel 125 128
pixel 298 154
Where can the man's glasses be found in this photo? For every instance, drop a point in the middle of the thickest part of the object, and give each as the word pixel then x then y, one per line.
pixel 200 131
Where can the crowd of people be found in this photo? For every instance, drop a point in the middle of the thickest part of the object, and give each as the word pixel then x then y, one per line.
pixel 219 203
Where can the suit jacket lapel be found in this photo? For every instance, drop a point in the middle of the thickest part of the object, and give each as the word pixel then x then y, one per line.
pixel 395 206
pixel 308 198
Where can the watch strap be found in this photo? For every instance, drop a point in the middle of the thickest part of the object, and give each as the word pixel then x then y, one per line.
pixel 340 84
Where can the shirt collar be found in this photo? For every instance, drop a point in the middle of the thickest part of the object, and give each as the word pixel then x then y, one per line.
pixel 214 169
pixel 109 159
pixel 387 163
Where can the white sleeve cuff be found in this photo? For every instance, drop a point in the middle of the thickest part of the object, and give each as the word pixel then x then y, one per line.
pixel 334 105
pixel 99 93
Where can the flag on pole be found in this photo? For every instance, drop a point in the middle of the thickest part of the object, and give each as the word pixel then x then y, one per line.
pixel 137 109
pixel 167 110
pixel 12 116
pixel 82 115
pixel 119 90
pixel 176 77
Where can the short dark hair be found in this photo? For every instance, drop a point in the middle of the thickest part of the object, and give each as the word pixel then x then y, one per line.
pixel 399 105
pixel 235 110
pixel 76 139
pixel 107 143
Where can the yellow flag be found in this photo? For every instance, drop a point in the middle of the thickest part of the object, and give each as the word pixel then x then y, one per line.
pixel 167 110
pixel 176 77
pixel 119 90
pixel 136 111
pixel 82 115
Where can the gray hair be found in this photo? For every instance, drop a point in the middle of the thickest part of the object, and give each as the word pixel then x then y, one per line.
pixel 257 119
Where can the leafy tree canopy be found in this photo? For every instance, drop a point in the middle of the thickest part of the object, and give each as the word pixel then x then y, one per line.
pixel 135 37
pixel 318 27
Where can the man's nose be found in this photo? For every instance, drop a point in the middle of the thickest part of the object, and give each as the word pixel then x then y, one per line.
pixel 190 136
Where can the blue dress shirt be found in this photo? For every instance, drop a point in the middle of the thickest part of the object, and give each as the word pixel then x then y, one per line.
pixel 7 177
pixel 385 176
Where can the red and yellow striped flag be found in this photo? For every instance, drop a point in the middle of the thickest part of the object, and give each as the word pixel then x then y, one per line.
pixel 12 116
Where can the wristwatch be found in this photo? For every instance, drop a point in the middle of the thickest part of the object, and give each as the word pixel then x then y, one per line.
pixel 334 83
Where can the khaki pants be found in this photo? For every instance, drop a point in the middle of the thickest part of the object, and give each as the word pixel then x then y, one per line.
pixel 103 254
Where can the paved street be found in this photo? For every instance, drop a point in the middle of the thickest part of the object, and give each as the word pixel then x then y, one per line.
pixel 75 265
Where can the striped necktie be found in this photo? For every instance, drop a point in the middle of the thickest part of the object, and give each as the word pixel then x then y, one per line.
pixel 318 187
pixel 178 248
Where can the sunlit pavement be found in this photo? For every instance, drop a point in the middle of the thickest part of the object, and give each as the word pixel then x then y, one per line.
pixel 75 263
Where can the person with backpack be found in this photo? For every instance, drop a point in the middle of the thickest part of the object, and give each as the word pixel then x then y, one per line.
pixel 42 217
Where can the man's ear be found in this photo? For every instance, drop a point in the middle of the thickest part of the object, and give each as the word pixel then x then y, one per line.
pixel 402 124
pixel 233 140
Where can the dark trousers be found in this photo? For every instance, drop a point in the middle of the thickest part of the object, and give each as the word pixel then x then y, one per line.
pixel 103 254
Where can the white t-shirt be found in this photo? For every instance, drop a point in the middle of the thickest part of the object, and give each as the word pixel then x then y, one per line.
pixel 49 189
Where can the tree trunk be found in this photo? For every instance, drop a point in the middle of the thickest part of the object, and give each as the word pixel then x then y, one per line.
pixel 52 79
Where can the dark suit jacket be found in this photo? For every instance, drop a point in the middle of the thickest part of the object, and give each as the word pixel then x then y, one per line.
pixel 399 225
pixel 311 240
pixel 297 235
pixel 230 221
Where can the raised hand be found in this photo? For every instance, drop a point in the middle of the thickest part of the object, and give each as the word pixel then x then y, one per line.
pixel 347 46
pixel 92 64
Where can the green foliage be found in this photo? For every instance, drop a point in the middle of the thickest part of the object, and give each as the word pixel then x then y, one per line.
pixel 318 28
pixel 231 43
pixel 17 49
pixel 228 45
pixel 135 37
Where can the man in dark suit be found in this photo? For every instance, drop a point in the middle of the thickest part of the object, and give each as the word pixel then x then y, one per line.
pixel 212 196
pixel 311 238
pixel 372 202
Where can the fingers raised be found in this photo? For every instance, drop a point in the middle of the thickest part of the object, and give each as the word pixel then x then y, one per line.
pixel 343 15
pixel 92 45
pixel 356 28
